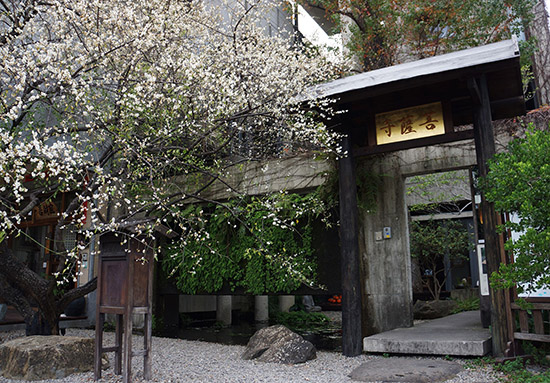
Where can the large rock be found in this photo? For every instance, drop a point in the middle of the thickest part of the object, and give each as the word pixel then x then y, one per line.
pixel 277 344
pixel 265 338
pixel 289 352
pixel 433 309
pixel 46 357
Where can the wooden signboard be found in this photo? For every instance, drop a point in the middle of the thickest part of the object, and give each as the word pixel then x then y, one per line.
pixel 410 123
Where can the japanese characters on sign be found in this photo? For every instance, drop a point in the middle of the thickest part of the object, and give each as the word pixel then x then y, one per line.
pixel 45 210
pixel 410 123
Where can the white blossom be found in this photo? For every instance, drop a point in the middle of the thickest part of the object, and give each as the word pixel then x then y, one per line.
pixel 133 106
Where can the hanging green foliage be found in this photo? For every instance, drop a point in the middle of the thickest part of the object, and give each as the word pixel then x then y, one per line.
pixel 262 244
pixel 368 184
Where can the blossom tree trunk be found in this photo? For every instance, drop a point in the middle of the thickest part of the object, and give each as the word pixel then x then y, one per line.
pixel 36 298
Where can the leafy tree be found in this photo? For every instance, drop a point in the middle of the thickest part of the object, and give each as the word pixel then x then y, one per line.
pixel 133 110
pixel 387 32
pixel 430 242
pixel 517 182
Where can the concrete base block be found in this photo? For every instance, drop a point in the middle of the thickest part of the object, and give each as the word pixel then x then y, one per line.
pixel 224 305
pixel 261 308
pixel 286 302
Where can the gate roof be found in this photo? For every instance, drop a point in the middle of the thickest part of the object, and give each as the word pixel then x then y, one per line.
pixel 446 78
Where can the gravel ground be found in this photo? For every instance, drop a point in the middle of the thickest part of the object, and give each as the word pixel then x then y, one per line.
pixel 176 360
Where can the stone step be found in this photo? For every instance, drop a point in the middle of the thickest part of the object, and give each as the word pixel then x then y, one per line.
pixel 459 334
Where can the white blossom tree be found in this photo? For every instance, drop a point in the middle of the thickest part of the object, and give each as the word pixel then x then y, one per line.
pixel 110 101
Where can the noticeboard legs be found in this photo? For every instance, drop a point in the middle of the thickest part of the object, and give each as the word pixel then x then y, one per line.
pixel 118 344
pixel 123 346
pixel 127 374
pixel 148 357
pixel 100 319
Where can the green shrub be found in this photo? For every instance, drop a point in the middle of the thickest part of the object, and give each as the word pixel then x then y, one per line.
pixel 262 245
pixel 469 304
pixel 301 320
pixel 516 372
pixel 185 320
pixel 158 325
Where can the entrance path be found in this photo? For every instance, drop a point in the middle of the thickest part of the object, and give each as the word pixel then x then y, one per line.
pixel 459 334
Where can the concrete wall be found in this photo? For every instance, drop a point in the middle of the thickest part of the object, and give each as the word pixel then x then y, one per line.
pixel 453 186
pixel 274 18
pixel 301 172
pixel 197 303
pixel 205 303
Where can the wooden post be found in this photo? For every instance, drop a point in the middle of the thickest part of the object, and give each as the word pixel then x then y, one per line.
pixel 148 356
pixel 99 322
pixel 484 299
pixel 100 318
pixel 128 321
pixel 349 249
pixel 147 339
pixel 485 149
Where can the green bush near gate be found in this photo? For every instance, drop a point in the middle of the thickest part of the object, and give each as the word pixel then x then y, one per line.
pixel 517 183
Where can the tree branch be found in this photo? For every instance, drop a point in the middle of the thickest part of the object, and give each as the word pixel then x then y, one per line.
pixel 20 276
pixel 75 293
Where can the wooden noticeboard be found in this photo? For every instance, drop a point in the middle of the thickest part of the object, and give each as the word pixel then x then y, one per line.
pixel 125 288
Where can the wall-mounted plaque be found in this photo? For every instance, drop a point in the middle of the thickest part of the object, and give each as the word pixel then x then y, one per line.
pixel 410 123
pixel 46 210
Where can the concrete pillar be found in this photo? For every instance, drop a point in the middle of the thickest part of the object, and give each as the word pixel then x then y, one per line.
pixel 224 304
pixel 286 302
pixel 261 308
pixel 387 283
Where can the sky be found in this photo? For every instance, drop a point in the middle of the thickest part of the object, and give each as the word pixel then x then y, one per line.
pixel 316 35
